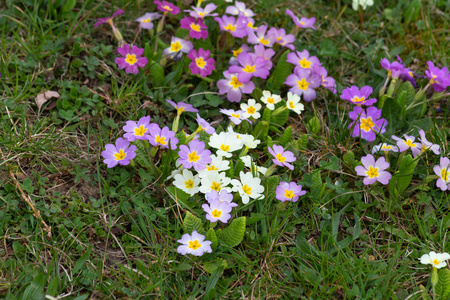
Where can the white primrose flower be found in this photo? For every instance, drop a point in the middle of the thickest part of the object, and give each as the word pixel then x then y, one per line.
pixel 214 181
pixel 187 182
pixel 293 103
pixel 250 142
pixel 217 164
pixel 251 109
pixel 270 100
pixel 438 260
pixel 363 3
pixel 247 160
pixel 225 143
pixel 248 187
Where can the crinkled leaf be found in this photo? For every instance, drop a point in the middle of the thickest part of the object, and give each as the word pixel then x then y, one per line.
pixel 233 234
pixel 211 236
pixel 443 285
pixel 157 72
pixel 211 266
pixel 141 155
pixel 191 223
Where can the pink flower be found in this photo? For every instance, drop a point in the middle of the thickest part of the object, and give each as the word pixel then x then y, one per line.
pixel 201 62
pixel 373 170
pixel 197 29
pixel 282 157
pixel 167 7
pixel 131 60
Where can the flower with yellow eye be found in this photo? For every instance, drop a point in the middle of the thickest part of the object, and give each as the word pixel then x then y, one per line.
pixel 194 244
pixel 131 59
pixel 373 170
pixel 121 153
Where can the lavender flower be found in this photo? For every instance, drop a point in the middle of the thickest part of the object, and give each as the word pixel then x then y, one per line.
pixel 303 82
pixel 289 191
pixel 224 196
pixel 240 9
pixel 162 137
pixel 108 19
pixel 373 170
pixel 146 20
pixel 178 46
pixel 204 125
pixel 137 131
pixel 233 87
pixel 366 123
pixel 439 78
pixel 194 155
pixel 235 116
pixel 302 60
pixel 167 7
pixel 267 54
pixel 217 211
pixel 443 171
pixel 121 153
pixel 259 36
pixel 250 66
pixel 358 96
pixel 428 145
pixel 236 27
pixel 194 244
pixel 131 60
pixel 200 13
pixel 182 107
pixel 282 158
pixel 327 81
pixel 408 142
pixel 303 22
pixel 279 36
pixel 394 69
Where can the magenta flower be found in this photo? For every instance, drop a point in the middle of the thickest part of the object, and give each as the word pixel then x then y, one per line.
pixel 146 20
pixel 408 75
pixel 236 27
pixel 282 158
pixel 303 22
pixel 201 62
pixel 443 171
pixel 428 145
pixel 366 123
pixel 167 7
pixel 194 244
pixel 233 87
pixel 279 36
pixel 194 155
pixel 259 36
pixel 177 47
pixel 408 142
pixel 138 131
pixel 303 82
pixel 250 66
pixel 108 19
pixel 439 78
pixel 224 196
pixel 394 69
pixel 267 54
pixel 200 13
pixel 217 211
pixel 162 137
pixel 357 96
pixel 327 81
pixel 235 116
pixel 197 28
pixel 131 60
pixel 373 170
pixel 240 9
pixel 204 125
pixel 122 153
pixel 302 60
pixel 182 107
pixel 289 191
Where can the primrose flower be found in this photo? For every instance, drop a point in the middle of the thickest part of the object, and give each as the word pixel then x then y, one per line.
pixel 394 69
pixel 224 196
pixel 248 187
pixel 270 100
pixel 363 3
pixel 214 180
pixel 428 145
pixel 408 75
pixel 303 82
pixel 204 125
pixel 194 244
pixel 302 60
pixel 327 81
pixel 217 211
pixel 197 28
pixel 281 157
pixel 251 109
pixel 438 78
pixel 138 131
pixel 194 155
pixel 167 7
pixel 162 137
pixel 294 104
pixel 243 48
pixel 225 143
pixel 247 160
pixel 233 87
pixel 357 96
pixel 177 47
pixel 182 107
pixel 267 54
pixel 146 20
pixel 250 66
pixel 407 143
pixel 239 8
pixel 437 260
pixel 235 116
pixel 200 13
pixel 279 36
pixel 131 60
pixel 289 191
pixel 121 153
pixel 187 182
pixel 201 62
pixel 303 22
pixel 237 27
pixel 373 170
pixel 384 147
pixel 443 171
pixel 108 19
pixel 217 164
pixel 366 123
pixel 259 36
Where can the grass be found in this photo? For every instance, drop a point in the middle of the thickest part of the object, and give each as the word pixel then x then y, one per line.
pixel 112 233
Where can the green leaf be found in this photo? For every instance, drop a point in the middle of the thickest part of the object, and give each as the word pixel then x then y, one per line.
pixel 314 125
pixel 409 90
pixel 349 159
pixel 400 181
pixel 82 261
pixel 239 167
pixel 36 288
pixel 261 130
pixel 286 137
pixel 69 5
pixel 266 115
pixel 443 285
pixel 391 111
pixel 181 136
pixel 281 118
pixel 148 52
pixel 233 234
pixel 191 223
pixel 141 155
pixel 411 13
pixel 211 266
pixel 210 288
pixel 281 72
pixel 270 186
pixel 211 236
pixel 316 189
pixel 180 197
pixel 157 72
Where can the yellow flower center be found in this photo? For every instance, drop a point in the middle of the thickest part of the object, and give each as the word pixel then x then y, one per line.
pixel 264 41
pixel 280 157
pixel 175 47
pixel 358 100
pixel 212 168
pixel 289 194
pixel 235 83
pixel 251 110
pixel 193 156
pixel 216 186
pixel 237 52
pixel 247 189
pixel 195 27
pixel 236 115
pixel 200 62
pixel 201 14
pixel 167 8
pixel 146 20
pixel 140 131
pixel 435 262
pixel 410 143
pixel 225 147
pixel 303 23
pixel 305 63
pixel 291 104
pixel 279 38
pixel 249 69
pixel 386 147
pixel 230 27
pixel 270 100
pixel 444 174
pixel 216 213
pixel 160 140
pixel 131 59
pixel 250 25
pixel 120 155
pixel 194 245
pixel 189 184
pixel 433 79
pixel 302 84
pixel 411 74
pixel 367 124
pixel 372 172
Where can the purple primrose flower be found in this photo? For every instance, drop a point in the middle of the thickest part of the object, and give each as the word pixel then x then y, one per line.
pixel 108 19
pixel 217 211
pixel 303 82
pixel 443 171
pixel 131 60
pixel 303 22
pixel 373 170
pixel 439 78
pixel 146 20
pixel 167 7
pixel 394 69
pixel 358 96
pixel 366 123
pixel 194 155
pixel 250 65
pixel 201 62
pixel 237 27
pixel 302 60
pixel 233 87
pixel 282 158
pixel 163 137
pixel 182 107
pixel 121 153
pixel 197 28
pixel 289 191
pixel 138 131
